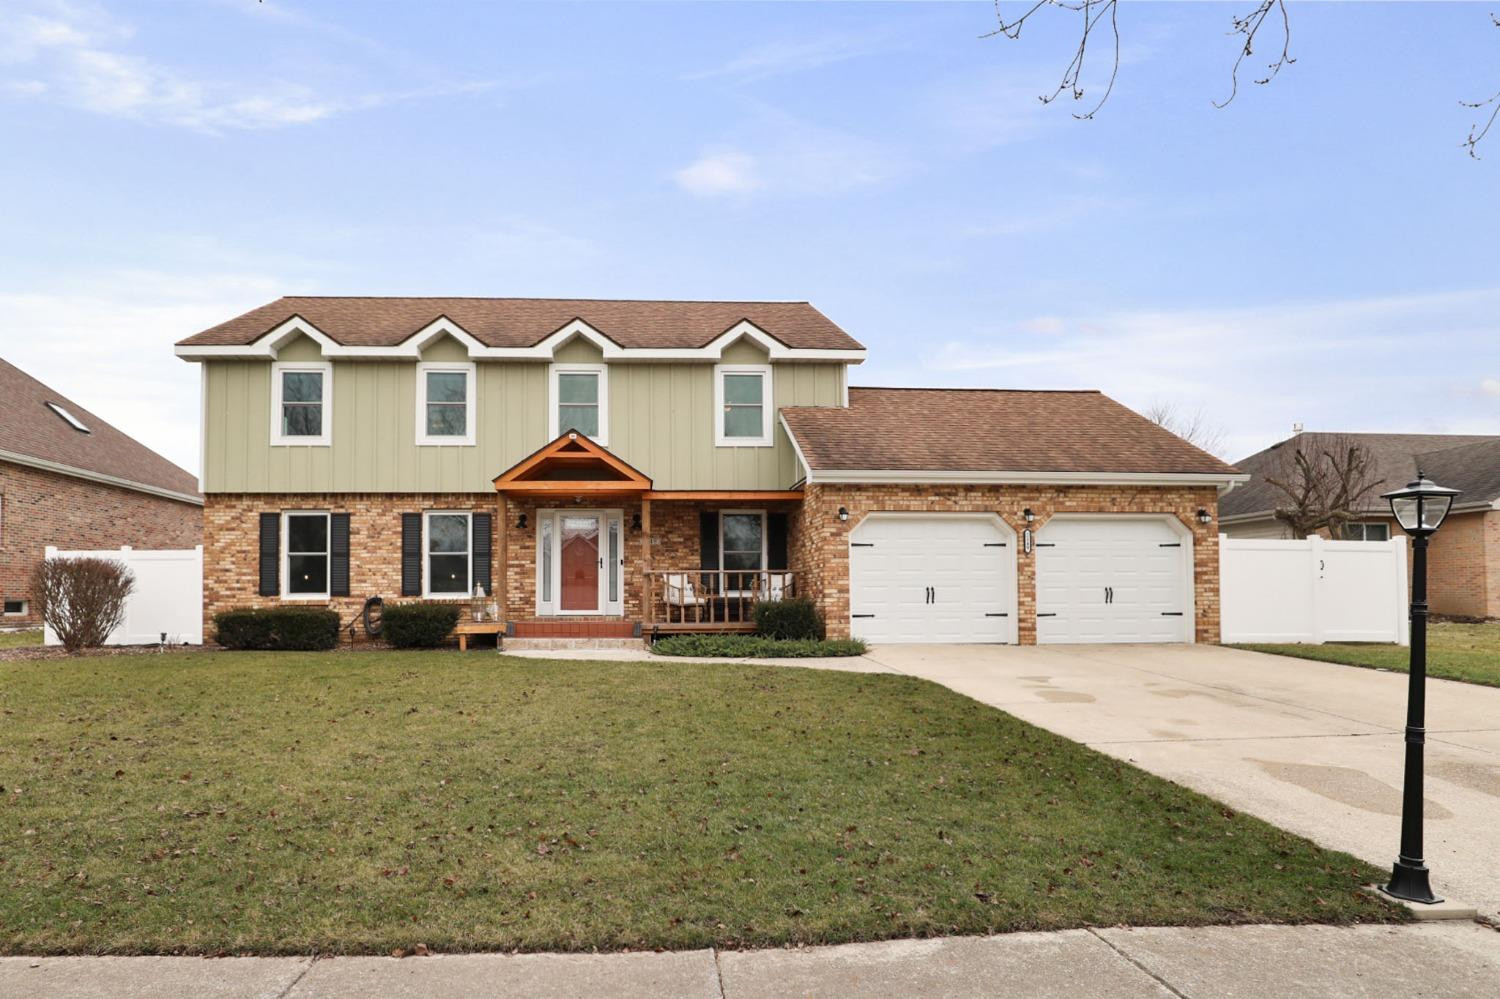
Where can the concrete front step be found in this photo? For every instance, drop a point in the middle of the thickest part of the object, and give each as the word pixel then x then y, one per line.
pixel 554 644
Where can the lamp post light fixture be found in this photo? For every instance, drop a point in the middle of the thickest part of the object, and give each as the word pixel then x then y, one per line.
pixel 1419 509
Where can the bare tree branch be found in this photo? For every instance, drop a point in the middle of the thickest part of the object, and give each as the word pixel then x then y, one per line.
pixel 1249 26
pixel 1194 428
pixel 1322 484
pixel 1476 132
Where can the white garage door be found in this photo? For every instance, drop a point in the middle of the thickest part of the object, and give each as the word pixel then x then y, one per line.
pixel 1110 579
pixel 937 578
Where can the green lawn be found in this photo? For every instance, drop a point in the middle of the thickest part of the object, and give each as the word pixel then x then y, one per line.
pixel 20 639
pixel 361 802
pixel 1469 652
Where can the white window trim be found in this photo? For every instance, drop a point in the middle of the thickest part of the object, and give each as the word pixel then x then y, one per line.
pixel 1364 529
pixel 278 439
pixel 602 370
pixel 471 411
pixel 286 554
pixel 427 553
pixel 766 406
pixel 764 548
pixel 25 608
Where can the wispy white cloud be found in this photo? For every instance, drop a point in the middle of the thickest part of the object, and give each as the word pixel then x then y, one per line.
pixel 780 155
pixel 79 57
pixel 1353 365
pixel 799 55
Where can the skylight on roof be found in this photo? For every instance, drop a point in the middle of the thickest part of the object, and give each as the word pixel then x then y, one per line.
pixel 73 421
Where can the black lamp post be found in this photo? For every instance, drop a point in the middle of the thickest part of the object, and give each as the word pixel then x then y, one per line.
pixel 1419 509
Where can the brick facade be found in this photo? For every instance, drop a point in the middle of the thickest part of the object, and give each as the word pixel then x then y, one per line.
pixel 1463 566
pixel 821 540
pixel 39 508
pixel 817 541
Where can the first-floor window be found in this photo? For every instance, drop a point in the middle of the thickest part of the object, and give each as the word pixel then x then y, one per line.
pixel 1367 532
pixel 742 545
pixel 449 551
pixel 15 608
pixel 306 548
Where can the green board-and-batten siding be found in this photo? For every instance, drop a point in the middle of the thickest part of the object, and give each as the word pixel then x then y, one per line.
pixel 661 420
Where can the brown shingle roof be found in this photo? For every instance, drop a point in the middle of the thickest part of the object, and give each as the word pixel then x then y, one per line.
pixel 525 322
pixel 30 428
pixel 1460 461
pixel 990 430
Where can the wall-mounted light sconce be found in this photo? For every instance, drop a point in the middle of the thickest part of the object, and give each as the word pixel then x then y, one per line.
pixel 843 514
pixel 1027 515
pixel 635 521
pixel 1204 517
pixel 521 522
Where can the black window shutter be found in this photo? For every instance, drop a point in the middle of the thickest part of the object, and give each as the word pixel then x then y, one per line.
pixel 270 554
pixel 338 550
pixel 482 532
pixel 776 541
pixel 411 554
pixel 708 547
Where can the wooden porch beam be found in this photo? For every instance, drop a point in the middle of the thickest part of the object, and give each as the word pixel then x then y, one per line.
pixel 746 495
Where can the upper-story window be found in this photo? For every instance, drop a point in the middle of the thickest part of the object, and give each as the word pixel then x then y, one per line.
pixel 301 403
pixel 742 404
pixel 445 404
pixel 580 400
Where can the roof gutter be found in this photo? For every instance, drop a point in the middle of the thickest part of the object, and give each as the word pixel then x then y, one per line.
pixel 108 480
pixel 1223 481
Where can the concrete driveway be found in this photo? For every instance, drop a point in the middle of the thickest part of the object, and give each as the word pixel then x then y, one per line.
pixel 1312 747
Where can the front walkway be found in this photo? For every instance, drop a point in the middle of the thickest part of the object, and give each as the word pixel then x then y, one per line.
pixel 1284 962
pixel 1315 748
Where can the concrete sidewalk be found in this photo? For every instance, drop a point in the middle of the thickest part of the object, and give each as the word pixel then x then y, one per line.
pixel 1449 960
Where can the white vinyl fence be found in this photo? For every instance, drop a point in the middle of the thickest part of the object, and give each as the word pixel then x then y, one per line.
pixel 1313 591
pixel 168 595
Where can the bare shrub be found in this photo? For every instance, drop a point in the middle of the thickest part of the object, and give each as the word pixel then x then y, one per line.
pixel 81 599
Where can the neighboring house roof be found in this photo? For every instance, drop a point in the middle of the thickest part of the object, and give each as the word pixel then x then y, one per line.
pixel 989 434
pixel 1469 462
pixel 525 322
pixel 33 433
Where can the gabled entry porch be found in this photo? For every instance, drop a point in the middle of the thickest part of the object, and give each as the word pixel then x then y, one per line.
pixel 591 549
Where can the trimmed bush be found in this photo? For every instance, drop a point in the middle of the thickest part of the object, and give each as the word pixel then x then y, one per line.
pixel 419 626
pixel 278 629
pixel 756 646
pixel 81 599
pixel 796 619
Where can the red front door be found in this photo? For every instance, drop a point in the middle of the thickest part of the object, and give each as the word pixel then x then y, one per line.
pixel 579 541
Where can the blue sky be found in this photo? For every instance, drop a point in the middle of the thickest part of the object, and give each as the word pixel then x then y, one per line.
pixel 1321 251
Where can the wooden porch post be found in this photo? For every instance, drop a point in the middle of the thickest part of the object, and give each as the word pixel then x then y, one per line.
pixel 647 594
pixel 502 592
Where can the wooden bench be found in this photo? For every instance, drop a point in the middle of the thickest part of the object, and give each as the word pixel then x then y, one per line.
pixel 466 628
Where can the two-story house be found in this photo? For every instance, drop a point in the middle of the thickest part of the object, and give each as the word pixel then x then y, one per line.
pixel 619 467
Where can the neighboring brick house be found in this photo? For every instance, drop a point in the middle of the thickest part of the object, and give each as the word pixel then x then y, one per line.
pixel 629 467
pixel 70 480
pixel 1463 575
